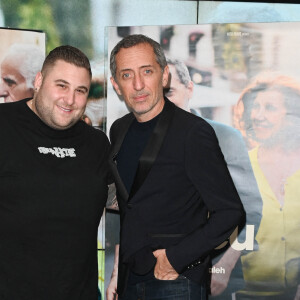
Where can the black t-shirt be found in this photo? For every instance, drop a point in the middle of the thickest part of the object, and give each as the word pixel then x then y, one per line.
pixel 127 162
pixel 132 148
pixel 53 188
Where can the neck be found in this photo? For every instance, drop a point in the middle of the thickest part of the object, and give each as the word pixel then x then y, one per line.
pixel 30 104
pixel 151 114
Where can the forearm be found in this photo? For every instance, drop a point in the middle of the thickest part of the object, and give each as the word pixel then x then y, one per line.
pixel 229 259
pixel 112 202
pixel 219 280
pixel 116 261
pixel 111 292
pixel 195 247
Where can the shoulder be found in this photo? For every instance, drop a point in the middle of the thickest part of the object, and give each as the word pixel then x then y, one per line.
pixel 190 122
pixel 9 111
pixel 224 130
pixel 126 118
pixel 95 142
pixel 8 107
pixel 120 123
pixel 228 135
pixel 94 135
pixel 191 131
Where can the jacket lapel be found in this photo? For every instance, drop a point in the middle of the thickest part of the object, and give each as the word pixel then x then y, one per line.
pixel 115 147
pixel 153 146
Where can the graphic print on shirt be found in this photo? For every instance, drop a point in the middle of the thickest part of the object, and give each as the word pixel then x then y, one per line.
pixel 58 152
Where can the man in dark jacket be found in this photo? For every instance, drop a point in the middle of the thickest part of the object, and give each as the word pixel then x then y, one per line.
pixel 176 197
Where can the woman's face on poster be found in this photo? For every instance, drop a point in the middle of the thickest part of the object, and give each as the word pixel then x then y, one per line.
pixel 268 115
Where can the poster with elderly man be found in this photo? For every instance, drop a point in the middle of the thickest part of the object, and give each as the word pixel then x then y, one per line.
pixel 22 53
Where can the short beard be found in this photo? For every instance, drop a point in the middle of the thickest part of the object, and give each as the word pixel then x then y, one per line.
pixel 43 115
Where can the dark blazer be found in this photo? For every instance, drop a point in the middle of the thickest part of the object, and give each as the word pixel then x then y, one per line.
pixel 182 199
pixel 237 159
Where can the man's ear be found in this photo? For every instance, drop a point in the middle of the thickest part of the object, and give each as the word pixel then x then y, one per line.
pixel 190 88
pixel 165 78
pixel 116 86
pixel 38 81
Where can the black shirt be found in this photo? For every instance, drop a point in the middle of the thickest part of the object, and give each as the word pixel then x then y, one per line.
pixel 132 148
pixel 53 188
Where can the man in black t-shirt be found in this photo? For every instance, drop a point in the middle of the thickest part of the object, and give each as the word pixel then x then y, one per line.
pixel 53 187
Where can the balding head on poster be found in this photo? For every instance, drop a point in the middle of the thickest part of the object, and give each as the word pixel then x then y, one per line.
pixel 18 68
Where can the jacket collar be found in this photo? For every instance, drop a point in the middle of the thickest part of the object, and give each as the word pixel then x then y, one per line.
pixel 150 152
pixel 153 146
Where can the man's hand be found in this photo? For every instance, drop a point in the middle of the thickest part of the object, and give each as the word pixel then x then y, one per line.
pixel 163 269
pixel 220 281
pixel 111 292
pixel 112 202
pixel 86 119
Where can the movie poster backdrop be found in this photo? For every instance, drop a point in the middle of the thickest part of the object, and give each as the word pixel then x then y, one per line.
pixel 245 80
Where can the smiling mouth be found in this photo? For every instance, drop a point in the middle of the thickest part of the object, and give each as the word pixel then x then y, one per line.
pixel 64 109
pixel 261 125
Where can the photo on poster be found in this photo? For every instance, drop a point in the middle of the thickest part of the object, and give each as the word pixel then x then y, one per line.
pixel 244 80
pixel 22 53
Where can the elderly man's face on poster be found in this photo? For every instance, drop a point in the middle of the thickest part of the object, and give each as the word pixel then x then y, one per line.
pixel 13 86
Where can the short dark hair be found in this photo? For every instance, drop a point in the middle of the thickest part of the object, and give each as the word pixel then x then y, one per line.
pixel 133 40
pixel 68 54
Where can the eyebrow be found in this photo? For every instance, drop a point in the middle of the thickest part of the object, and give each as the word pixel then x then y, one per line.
pixel 84 88
pixel 146 66
pixel 66 82
pixel 62 80
pixel 141 67
pixel 9 80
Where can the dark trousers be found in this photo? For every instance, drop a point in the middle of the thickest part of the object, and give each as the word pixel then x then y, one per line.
pixel 154 289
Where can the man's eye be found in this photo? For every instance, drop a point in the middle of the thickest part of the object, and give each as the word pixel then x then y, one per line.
pixel 270 107
pixel 9 82
pixel 62 86
pixel 81 91
pixel 126 75
pixel 147 71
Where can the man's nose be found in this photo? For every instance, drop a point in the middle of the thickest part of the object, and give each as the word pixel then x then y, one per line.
pixel 138 82
pixel 3 90
pixel 69 98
